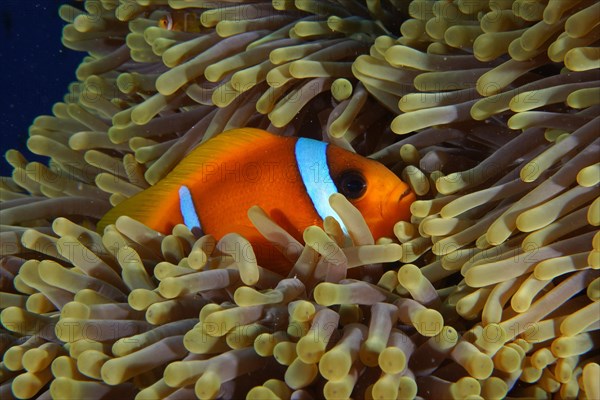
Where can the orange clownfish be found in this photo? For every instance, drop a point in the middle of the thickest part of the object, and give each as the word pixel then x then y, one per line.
pixel 290 178
pixel 180 21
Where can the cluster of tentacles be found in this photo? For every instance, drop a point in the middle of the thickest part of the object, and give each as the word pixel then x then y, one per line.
pixel 490 290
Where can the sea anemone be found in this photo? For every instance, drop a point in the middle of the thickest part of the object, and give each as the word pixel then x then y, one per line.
pixel 490 290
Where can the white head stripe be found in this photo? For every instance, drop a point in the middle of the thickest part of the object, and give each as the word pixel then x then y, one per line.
pixel 188 211
pixel 311 157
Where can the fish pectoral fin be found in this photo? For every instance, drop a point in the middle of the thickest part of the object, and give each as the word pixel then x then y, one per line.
pixel 275 256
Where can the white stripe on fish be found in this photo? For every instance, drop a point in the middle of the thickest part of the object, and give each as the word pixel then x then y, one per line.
pixel 311 158
pixel 188 210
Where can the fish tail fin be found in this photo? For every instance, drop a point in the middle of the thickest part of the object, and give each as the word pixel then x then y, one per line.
pixel 143 208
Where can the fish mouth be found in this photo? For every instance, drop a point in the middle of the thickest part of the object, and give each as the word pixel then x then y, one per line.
pixel 392 209
pixel 402 206
pixel 406 192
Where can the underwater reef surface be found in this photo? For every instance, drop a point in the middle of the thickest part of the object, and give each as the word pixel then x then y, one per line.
pixel 489 110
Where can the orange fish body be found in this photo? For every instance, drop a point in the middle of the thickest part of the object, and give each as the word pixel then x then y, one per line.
pixel 290 178
pixel 181 21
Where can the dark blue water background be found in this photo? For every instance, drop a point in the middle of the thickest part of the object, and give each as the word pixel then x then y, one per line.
pixel 36 69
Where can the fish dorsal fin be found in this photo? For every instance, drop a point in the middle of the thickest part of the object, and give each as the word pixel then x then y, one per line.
pixel 231 144
pixel 163 197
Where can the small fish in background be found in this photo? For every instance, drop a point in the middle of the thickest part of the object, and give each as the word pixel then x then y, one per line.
pixel 290 178
pixel 181 21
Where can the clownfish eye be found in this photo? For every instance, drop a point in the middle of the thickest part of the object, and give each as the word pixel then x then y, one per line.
pixel 352 184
